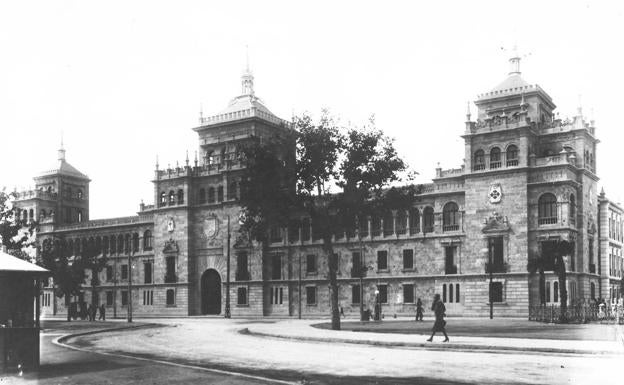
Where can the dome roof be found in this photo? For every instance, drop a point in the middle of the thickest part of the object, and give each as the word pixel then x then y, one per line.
pixel 62 167
pixel 245 102
pixel 514 81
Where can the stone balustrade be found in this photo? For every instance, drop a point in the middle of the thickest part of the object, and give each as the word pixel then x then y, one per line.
pixel 41 194
pixel 242 114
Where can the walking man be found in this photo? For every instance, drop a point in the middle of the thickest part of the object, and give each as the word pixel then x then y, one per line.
pixel 102 312
pixel 440 311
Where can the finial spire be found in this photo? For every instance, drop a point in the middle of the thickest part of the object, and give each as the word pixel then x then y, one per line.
pixel 61 151
pixel 156 161
pixel 247 78
pixel 468 111
pixel 187 159
pixel 201 113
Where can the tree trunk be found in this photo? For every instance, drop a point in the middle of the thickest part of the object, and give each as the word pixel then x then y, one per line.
pixel 333 282
pixel 68 306
pixel 542 286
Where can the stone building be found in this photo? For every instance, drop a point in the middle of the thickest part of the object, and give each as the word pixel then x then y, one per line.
pixel 528 179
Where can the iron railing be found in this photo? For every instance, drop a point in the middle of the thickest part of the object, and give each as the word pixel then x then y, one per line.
pixel 579 313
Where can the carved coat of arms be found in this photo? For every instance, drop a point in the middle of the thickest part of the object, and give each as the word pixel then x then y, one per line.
pixel 211 227
pixel 496 193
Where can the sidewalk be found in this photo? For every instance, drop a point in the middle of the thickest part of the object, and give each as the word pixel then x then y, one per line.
pixel 302 330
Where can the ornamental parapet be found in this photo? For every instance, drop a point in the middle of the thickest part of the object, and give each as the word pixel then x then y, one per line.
pixel 135 219
pixel 40 194
pixel 242 114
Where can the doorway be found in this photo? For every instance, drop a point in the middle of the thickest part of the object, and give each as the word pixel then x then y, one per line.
pixel 211 292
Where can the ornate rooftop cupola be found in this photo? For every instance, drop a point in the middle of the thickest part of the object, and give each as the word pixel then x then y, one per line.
pixel 247 81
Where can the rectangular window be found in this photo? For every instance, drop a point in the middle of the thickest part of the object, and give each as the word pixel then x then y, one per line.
pixel 449 260
pixel 496 257
pixel 355 294
pixel 277 295
pixel 147 271
pixel 124 298
pixel 124 271
pixel 170 274
pixel 383 293
pixel 357 269
pixel 311 295
pixel 242 296
pixel 109 273
pixel 242 267
pixel 408 293
pixel 277 266
pixel 310 263
pixel 109 298
pixel 408 259
pixel 496 292
pixel 170 297
pixel 148 297
pixel 382 260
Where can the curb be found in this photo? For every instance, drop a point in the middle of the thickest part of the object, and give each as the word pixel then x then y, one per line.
pixel 433 346
pixel 60 341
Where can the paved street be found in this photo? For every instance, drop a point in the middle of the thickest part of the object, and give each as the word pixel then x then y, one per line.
pixel 218 343
pixel 60 365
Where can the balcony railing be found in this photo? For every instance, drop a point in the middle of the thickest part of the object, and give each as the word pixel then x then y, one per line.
pixel 243 275
pixel 450 269
pixel 512 162
pixel 495 164
pixel 446 228
pixel 496 267
pixel 171 278
pixel 547 220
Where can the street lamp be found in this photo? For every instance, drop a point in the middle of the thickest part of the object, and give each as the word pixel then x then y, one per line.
pixel 378 303
pixel 489 269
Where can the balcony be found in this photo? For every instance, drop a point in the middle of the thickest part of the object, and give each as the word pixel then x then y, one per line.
pixel 446 228
pixel 592 268
pixel 242 275
pixel 496 267
pixel 547 221
pixel 171 278
pixel 450 269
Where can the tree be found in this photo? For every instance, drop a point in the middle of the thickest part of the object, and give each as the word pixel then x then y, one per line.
pixel 554 258
pixel 318 149
pixel 16 234
pixel 93 259
pixel 68 272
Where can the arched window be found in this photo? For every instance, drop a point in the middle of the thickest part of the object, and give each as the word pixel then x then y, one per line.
pixel 49 189
pixel 135 242
pixel 220 194
pixel 79 194
pixel 388 224
pixel 180 197
pixel 98 245
pixel 479 160
pixel 414 217
pixel 232 191
pixel 457 292
pixel 120 244
pixel 211 195
pixel 25 215
pixel 31 214
pixel 105 245
pixel 202 196
pixel 495 158
pixel 363 226
pixel 127 243
pixel 401 222
pixel 42 213
pixel 70 247
pixel 147 240
pixel 163 198
pixel 171 198
pixel 375 226
pixel 444 293
pixel 450 217
pixel 572 209
pixel 512 156
pixel 555 291
pixel 79 215
pixel 428 220
pixel 547 209
pixel 113 244
pixel 305 229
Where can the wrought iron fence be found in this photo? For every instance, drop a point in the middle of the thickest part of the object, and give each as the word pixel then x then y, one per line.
pixel 578 313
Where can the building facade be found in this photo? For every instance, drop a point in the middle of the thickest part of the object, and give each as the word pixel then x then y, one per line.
pixel 528 180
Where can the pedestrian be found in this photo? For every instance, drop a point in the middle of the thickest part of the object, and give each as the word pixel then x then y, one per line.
pixel 419 310
pixel 342 312
pixel 440 312
pixel 102 313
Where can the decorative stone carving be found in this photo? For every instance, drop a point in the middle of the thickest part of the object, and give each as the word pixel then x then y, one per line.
pixel 496 224
pixel 171 247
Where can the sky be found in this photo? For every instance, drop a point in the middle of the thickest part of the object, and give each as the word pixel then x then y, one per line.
pixel 124 81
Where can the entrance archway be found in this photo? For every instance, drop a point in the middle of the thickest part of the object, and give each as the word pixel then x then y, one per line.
pixel 211 292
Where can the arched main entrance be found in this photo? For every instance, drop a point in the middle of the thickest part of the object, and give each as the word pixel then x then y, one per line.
pixel 211 292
